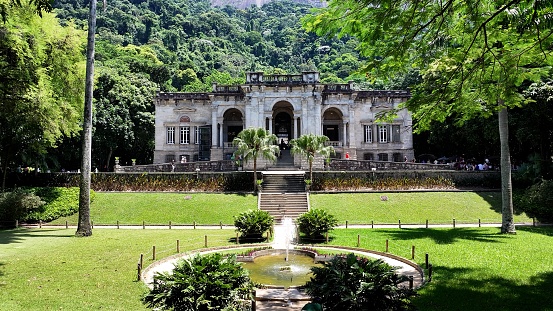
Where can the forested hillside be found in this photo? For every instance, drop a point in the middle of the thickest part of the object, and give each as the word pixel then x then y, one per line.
pixel 180 45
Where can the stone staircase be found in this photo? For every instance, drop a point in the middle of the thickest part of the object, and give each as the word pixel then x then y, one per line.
pixel 285 162
pixel 283 195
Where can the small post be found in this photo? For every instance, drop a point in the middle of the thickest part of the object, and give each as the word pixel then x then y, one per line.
pixel 346 224
pixel 237 241
pixel 427 224
pixel 387 246
pixel 139 268
pixel 358 240
pixel 66 225
pixel 411 282
pixel 413 252
pixel 40 224
pixel 327 238
pixel 154 252
pixel 178 246
pixel 479 223
pixel 267 236
pixel 429 272
pixel 143 224
pixel 92 224
pixel 453 223
pixel 194 225
pixel 533 221
pixel 426 260
pixel 220 225
pixel 17 223
pixel 118 224
pixel 169 225
pixel 372 224
pixel 399 223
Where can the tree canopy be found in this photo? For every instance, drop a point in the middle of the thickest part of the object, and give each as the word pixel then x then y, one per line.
pixel 473 56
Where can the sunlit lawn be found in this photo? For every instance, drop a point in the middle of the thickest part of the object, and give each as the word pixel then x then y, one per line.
pixel 414 207
pixel 474 268
pixel 47 269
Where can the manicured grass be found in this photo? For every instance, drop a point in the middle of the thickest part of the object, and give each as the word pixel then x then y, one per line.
pixel 47 269
pixel 356 208
pixel 473 268
pixel 414 207
pixel 160 208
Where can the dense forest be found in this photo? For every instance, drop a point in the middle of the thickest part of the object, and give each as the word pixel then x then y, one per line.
pixel 143 46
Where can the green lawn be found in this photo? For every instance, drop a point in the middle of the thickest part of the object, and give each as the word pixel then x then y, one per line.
pixel 356 208
pixel 474 268
pixel 160 208
pixel 413 207
pixel 48 269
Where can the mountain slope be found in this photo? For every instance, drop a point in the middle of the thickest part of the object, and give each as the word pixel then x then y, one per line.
pixel 242 4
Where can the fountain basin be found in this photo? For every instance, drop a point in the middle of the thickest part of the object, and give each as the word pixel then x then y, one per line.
pixel 270 268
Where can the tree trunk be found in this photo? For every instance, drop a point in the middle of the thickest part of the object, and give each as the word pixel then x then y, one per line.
pixel 507 220
pixel 255 174
pixel 84 227
pixel 109 159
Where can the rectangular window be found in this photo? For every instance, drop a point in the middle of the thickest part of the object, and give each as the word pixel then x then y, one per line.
pixel 184 135
pixel 368 134
pixel 170 134
pixel 382 157
pixel 396 134
pixel 169 158
pixel 382 133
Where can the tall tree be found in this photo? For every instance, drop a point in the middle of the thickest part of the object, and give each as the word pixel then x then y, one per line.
pixel 309 146
pixel 41 86
pixel 252 143
pixel 473 56
pixel 84 227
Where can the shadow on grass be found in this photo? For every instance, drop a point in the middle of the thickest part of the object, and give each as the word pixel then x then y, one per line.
pixel 18 235
pixel 548 231
pixel 447 236
pixel 494 199
pixel 248 240
pixel 451 289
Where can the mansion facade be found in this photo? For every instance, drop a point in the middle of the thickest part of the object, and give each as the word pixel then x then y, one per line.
pixel 202 126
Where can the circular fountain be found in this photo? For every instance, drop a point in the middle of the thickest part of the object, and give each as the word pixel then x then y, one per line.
pixel 280 268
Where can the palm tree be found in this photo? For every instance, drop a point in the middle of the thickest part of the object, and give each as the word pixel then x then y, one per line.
pixel 254 142
pixel 309 145
pixel 85 228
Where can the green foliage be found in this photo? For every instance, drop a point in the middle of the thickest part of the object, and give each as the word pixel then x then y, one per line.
pixel 309 145
pixel 316 223
pixel 354 283
pixel 253 143
pixel 388 183
pixel 59 202
pixel 537 201
pixel 17 204
pixel 210 282
pixel 42 87
pixel 253 223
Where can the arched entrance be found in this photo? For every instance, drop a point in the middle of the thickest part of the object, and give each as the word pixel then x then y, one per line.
pixel 282 122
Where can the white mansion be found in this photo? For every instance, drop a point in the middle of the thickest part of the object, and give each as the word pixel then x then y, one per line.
pixel 201 126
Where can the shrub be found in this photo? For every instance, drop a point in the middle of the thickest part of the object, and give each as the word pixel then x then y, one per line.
pixel 353 283
pixel 60 202
pixel 209 282
pixel 15 205
pixel 253 223
pixel 316 223
pixel 538 202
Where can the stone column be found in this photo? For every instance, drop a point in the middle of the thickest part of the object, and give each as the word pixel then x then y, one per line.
pixel 296 127
pixel 345 133
pixel 270 125
pixel 214 129
pixel 221 135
